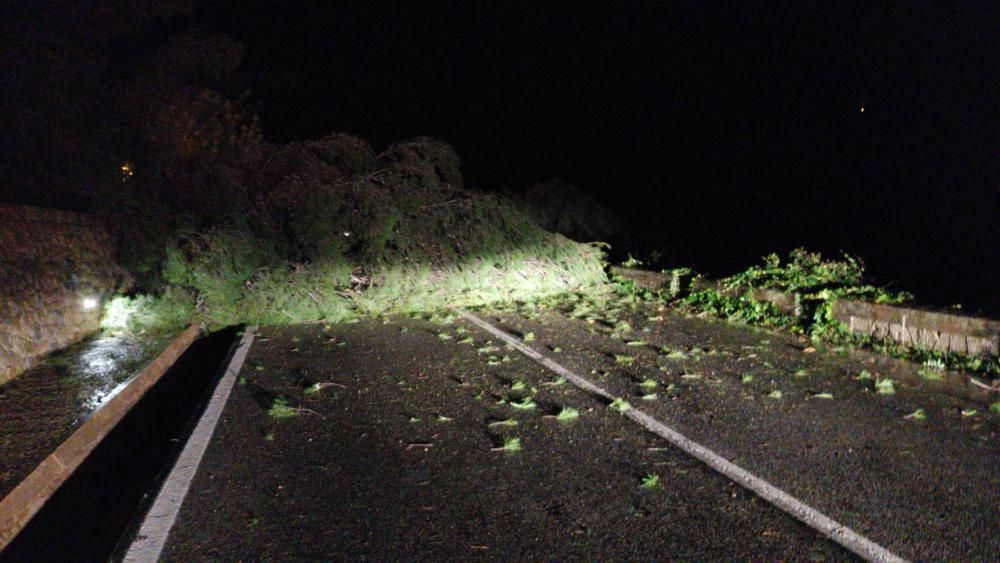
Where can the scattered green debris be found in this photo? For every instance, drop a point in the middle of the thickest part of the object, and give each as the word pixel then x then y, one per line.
pixel 969 412
pixel 650 481
pixel 443 418
pixel 648 383
pixel 509 445
pixel 524 404
pixel 995 407
pixel 529 336
pixel 690 376
pixel 776 394
pixel 865 375
pixel 636 343
pixel 567 414
pixel 674 354
pixel 466 340
pixel 918 414
pixel 280 409
pixel 505 422
pixel 930 374
pixel 518 386
pixel 885 387
pixel 444 336
pixel 561 380
pixel 746 378
pixel 801 373
pixel 620 405
pixel 649 397
pixel 823 396
pixel 624 360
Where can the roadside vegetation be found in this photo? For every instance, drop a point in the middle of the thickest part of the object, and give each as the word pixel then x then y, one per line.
pixel 818 282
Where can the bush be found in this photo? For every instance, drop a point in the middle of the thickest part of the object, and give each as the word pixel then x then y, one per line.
pixel 333 232
pixel 169 312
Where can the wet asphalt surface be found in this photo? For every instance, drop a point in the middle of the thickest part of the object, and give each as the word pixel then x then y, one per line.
pixel 926 487
pixel 43 406
pixel 396 457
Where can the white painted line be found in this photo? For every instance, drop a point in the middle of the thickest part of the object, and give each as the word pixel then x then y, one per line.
pixel 806 514
pixel 152 536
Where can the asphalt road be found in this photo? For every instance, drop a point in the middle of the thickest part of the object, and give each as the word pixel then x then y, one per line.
pixel 396 456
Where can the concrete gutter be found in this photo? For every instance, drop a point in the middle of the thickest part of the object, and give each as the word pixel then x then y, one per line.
pixel 22 503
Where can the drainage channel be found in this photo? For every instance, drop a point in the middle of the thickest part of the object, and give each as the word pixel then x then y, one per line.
pixel 91 515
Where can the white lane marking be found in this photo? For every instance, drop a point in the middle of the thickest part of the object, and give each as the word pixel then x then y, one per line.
pixel 152 536
pixel 806 514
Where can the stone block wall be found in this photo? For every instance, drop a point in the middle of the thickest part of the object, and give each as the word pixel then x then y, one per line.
pixel 940 332
pixel 50 263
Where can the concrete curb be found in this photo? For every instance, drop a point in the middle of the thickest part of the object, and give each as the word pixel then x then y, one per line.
pixel 22 503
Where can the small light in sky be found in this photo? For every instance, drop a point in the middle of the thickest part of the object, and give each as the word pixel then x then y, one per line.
pixel 862 109
pixel 89 303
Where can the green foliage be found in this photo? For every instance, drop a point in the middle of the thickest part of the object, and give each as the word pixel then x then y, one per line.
pixel 737 308
pixel 567 413
pixel 169 312
pixel 818 281
pixel 620 405
pixel 650 481
pixel 885 387
pixel 280 409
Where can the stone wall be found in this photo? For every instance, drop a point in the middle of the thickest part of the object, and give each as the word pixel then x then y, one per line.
pixel 940 332
pixel 52 265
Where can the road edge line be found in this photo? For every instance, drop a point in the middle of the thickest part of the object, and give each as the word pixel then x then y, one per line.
pixel 152 536
pixel 835 531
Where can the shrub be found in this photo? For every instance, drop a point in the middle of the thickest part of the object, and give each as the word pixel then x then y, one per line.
pixel 169 312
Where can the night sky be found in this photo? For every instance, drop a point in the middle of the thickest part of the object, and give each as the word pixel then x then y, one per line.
pixel 719 132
